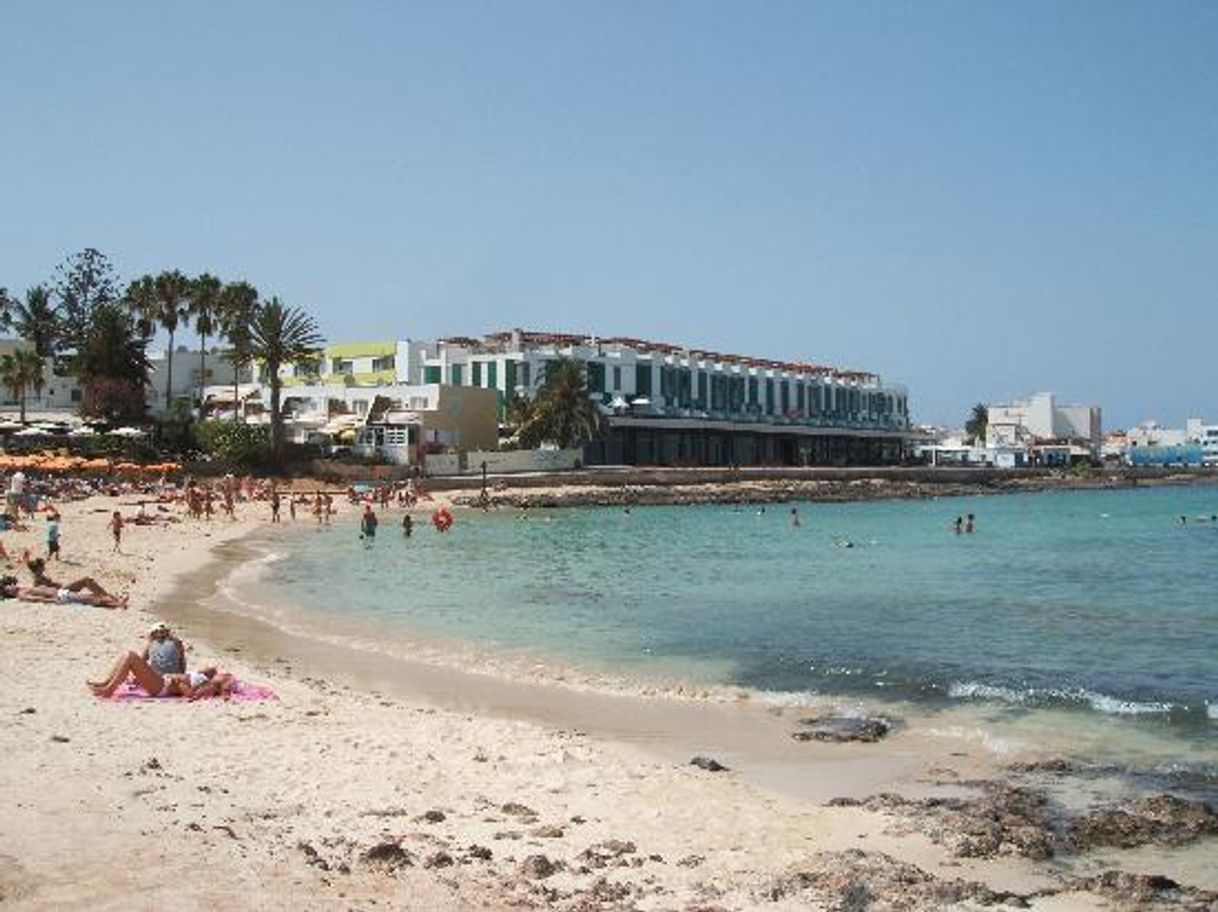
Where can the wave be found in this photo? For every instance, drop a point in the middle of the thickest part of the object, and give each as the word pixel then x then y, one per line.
pixel 1039 696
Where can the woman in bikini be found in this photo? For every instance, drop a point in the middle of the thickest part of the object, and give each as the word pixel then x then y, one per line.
pixel 205 683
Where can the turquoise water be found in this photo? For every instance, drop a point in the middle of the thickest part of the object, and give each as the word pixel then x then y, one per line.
pixel 1096 600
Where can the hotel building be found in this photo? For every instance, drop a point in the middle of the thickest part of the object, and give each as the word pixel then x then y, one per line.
pixel 671 405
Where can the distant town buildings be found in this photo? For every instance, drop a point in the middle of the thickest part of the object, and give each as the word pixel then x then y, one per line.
pixel 1048 432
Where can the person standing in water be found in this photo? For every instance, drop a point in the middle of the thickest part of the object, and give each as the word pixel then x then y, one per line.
pixel 969 523
pixel 958 525
pixel 795 520
pixel 368 522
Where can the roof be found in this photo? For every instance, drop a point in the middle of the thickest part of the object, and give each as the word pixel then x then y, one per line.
pixel 361 349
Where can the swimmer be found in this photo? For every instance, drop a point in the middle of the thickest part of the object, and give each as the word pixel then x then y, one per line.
pixel 968 523
pixel 795 521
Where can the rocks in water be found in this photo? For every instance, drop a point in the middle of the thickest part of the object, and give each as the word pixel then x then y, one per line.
pixel 710 764
pixel 1160 819
pixel 1057 766
pixel 840 729
pixel 538 867
pixel 1002 820
pixel 389 856
pixel 1147 891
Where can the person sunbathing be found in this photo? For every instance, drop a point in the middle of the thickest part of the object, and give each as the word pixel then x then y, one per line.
pixel 192 685
pixel 87 584
pixel 58 595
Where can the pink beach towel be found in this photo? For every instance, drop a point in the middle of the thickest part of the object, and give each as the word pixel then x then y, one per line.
pixel 242 693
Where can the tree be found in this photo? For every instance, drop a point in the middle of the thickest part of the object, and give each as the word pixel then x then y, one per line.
pixel 84 282
pixel 113 366
pixel 35 320
pixel 235 315
pixel 21 371
pixel 978 423
pixel 280 335
pixel 562 414
pixel 204 308
pixel 172 291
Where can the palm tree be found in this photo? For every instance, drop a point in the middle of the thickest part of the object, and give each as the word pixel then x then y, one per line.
pixel 20 371
pixel 237 309
pixel 281 335
pixel 562 414
pixel 204 309
pixel 35 320
pixel 978 423
pixel 172 293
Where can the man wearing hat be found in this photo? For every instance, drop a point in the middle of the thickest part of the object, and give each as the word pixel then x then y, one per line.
pixel 165 652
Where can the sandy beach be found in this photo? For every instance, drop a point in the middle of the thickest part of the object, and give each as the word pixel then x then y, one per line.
pixel 375 782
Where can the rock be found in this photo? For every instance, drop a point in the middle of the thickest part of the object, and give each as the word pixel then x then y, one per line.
pixel 515 809
pixel 601 853
pixel 1058 766
pixel 482 853
pixel 840 729
pixel 432 817
pixel 1161 819
pixel 60 739
pixel 28 711
pixel 854 880
pixel 710 764
pixel 1147 891
pixel 388 855
pixel 438 860
pixel 549 831
pixel 537 867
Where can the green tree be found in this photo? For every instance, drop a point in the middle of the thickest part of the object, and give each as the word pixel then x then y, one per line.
pixel 281 335
pixel 562 413
pixel 237 310
pixel 113 366
pixel 83 283
pixel 978 423
pixel 34 320
pixel 204 309
pixel 19 372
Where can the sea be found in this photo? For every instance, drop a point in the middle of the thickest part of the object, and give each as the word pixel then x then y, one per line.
pixel 1097 606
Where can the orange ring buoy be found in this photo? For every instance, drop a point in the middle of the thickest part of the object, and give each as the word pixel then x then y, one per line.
pixel 442 519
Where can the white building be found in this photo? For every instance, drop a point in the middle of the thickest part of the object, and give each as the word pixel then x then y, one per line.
pixel 1040 421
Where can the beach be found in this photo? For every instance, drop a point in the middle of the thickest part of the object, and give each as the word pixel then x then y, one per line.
pixel 377 782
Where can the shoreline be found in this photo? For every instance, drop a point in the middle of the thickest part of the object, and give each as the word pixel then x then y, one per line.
pixel 358 788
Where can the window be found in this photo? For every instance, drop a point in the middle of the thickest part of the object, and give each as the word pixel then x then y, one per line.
pixel 509 375
pixel 477 373
pixel 431 374
pixel 525 370
pixel 701 402
pixel 340 366
pixel 642 379
pixel 617 379
pixel 492 375
pixel 769 396
pixel 383 364
pixel 361 407
pixel 596 377
pixel 455 374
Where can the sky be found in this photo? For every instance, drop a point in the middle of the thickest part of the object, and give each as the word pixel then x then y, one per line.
pixel 974 199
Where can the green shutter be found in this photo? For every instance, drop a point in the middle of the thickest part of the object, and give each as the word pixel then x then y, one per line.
pixel 509 376
pixel 477 373
pixel 431 374
pixel 492 374
pixel 455 371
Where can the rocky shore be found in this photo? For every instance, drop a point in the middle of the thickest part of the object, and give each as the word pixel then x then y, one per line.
pixel 685 487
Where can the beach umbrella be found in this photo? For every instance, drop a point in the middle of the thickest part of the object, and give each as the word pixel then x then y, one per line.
pixel 31 432
pixel 126 432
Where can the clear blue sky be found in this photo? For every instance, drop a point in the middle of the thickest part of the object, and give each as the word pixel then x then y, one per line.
pixel 978 200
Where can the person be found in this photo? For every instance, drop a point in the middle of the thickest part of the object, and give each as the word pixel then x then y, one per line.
pixel 16 492
pixel 86 584
pixel 969 523
pixel 116 529
pixel 795 522
pixel 959 524
pixel 164 651
pixel 274 504
pixel 407 525
pixel 368 522
pixel 292 507
pixel 61 596
pixel 53 536
pixel 131 665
